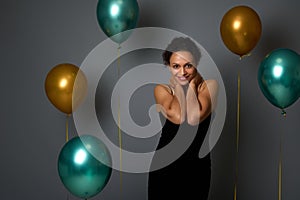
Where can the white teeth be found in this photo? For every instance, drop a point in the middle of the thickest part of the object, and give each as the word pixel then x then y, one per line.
pixel 182 78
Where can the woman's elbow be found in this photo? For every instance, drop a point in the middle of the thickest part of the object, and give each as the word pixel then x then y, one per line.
pixel 193 119
pixel 177 118
pixel 197 118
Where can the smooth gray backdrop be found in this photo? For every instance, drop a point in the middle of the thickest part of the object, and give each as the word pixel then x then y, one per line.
pixel 36 35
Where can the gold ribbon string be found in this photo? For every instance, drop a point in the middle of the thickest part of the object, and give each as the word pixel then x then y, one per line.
pixel 119 122
pixel 237 132
pixel 67 137
pixel 283 113
pixel 280 170
pixel 67 128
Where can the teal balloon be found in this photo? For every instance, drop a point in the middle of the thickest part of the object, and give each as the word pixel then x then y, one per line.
pixel 279 77
pixel 84 166
pixel 117 18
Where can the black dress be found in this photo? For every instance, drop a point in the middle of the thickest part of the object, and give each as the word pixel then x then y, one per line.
pixel 188 175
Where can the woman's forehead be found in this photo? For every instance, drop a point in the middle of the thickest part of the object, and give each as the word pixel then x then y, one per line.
pixel 182 56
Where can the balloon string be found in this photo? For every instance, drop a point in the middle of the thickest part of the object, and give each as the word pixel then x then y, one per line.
pixel 280 170
pixel 238 111
pixel 67 128
pixel 283 113
pixel 237 132
pixel 119 121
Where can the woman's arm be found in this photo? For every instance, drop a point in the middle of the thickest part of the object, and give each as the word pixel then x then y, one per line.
pixel 200 100
pixel 172 106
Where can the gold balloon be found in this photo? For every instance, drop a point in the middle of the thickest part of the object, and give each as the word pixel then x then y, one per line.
pixel 66 87
pixel 240 30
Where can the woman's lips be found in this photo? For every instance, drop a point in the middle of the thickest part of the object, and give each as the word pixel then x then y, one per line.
pixel 182 78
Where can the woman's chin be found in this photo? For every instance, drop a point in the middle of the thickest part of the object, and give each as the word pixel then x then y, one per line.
pixel 183 83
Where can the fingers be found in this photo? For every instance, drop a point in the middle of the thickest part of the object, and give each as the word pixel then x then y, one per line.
pixel 196 81
pixel 173 82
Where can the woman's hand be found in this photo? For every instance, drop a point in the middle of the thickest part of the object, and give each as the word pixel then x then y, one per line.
pixel 196 81
pixel 172 105
pixel 173 82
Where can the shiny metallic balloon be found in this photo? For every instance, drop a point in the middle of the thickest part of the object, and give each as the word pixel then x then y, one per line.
pixel 117 16
pixel 279 77
pixel 84 166
pixel 240 29
pixel 66 87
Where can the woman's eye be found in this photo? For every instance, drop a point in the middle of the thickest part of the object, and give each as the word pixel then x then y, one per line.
pixel 188 65
pixel 175 66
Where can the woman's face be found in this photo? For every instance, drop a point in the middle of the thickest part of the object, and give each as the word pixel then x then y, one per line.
pixel 182 67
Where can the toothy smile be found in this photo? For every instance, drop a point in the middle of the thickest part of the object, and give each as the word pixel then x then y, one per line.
pixel 182 78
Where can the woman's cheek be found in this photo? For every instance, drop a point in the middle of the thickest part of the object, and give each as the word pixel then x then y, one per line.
pixel 174 72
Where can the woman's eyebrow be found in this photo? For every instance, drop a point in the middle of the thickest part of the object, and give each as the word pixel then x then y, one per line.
pixel 189 63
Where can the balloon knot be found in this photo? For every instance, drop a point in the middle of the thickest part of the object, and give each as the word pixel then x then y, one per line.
pixel 283 113
pixel 245 55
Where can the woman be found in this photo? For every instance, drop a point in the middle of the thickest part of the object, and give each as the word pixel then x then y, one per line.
pixel 186 102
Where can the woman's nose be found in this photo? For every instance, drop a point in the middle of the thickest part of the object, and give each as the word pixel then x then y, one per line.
pixel 182 71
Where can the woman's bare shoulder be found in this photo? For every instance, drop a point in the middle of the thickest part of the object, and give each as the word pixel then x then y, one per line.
pixel 209 84
pixel 162 88
pixel 212 82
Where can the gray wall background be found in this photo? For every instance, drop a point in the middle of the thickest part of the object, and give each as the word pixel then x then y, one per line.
pixel 37 35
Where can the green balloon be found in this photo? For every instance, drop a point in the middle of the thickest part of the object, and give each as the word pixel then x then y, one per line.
pixel 279 77
pixel 84 166
pixel 117 16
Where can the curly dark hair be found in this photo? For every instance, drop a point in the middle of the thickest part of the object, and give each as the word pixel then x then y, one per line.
pixel 181 44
